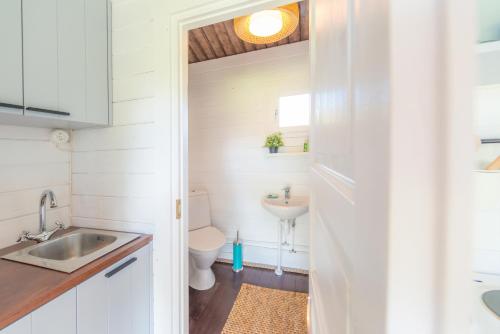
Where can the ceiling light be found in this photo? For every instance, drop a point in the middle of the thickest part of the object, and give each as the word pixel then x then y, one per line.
pixel 265 23
pixel 268 26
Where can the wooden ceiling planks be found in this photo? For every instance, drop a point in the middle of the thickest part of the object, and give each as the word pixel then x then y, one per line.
pixel 219 40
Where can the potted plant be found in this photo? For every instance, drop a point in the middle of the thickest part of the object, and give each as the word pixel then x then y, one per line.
pixel 274 141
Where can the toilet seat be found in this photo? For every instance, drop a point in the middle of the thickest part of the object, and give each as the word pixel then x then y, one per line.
pixel 206 239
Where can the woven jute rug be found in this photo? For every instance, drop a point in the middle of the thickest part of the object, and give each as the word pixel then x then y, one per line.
pixel 259 310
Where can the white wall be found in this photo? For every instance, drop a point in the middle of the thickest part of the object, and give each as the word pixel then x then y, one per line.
pixel 30 164
pixel 232 104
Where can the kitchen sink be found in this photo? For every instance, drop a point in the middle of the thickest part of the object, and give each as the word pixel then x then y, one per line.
pixel 72 246
pixel 72 250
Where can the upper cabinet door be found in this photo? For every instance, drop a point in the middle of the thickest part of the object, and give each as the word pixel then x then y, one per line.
pixel 98 64
pixel 71 57
pixel 40 54
pixel 66 59
pixel 11 66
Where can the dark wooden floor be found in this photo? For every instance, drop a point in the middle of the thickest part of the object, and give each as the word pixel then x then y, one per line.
pixel 209 309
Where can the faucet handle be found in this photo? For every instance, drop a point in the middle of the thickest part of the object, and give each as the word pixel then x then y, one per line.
pixel 59 224
pixel 23 236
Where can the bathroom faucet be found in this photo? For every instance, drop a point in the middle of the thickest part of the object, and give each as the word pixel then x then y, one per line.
pixel 43 234
pixel 286 189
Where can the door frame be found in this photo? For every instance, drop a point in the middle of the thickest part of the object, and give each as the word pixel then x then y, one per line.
pixel 452 124
pixel 180 24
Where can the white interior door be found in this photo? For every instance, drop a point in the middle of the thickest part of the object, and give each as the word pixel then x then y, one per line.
pixel 392 152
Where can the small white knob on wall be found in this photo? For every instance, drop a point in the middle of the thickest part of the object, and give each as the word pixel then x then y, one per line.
pixel 59 137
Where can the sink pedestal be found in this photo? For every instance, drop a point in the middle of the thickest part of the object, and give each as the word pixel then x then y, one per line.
pixel 286 209
pixel 278 270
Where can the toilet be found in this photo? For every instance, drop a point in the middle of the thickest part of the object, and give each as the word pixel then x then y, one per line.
pixel 205 242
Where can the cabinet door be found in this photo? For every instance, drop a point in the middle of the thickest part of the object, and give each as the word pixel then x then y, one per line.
pixel 11 70
pixel 57 316
pixel 66 59
pixel 22 326
pixel 117 300
pixel 40 54
pixel 92 305
pixel 98 65
pixel 71 58
pixel 130 295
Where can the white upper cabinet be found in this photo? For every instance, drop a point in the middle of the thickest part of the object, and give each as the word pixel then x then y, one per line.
pixel 11 64
pixel 59 49
pixel 98 62
pixel 40 54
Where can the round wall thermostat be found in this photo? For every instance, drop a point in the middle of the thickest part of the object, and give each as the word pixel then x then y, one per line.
pixel 59 136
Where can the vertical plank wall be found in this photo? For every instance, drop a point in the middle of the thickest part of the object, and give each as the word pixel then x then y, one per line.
pixel 30 164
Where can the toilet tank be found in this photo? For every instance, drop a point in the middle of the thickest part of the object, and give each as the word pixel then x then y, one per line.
pixel 199 209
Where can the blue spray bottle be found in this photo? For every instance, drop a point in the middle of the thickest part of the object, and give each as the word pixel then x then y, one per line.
pixel 237 254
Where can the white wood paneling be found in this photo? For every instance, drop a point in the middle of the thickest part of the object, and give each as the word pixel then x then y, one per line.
pixel 228 127
pixel 139 86
pixel 134 112
pixel 22 177
pixel 113 184
pixel 133 209
pixel 30 165
pixel 132 37
pixel 116 161
pixel 114 138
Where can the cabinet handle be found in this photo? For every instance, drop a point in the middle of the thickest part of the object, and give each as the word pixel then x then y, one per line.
pixel 121 267
pixel 48 111
pixel 13 106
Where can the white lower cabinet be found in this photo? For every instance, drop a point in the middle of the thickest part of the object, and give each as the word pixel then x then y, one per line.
pixel 57 316
pixel 114 301
pixel 117 300
pixel 22 326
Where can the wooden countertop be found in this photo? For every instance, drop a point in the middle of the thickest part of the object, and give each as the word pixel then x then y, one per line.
pixel 24 288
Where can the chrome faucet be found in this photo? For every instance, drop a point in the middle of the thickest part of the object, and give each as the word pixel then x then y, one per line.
pixel 286 189
pixel 43 234
pixel 42 208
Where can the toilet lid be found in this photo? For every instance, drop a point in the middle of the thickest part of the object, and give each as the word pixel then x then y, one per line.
pixel 206 239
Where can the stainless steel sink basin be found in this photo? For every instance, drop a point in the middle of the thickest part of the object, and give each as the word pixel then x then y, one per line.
pixel 72 246
pixel 72 250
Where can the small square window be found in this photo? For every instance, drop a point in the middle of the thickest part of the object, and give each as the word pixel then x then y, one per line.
pixel 294 110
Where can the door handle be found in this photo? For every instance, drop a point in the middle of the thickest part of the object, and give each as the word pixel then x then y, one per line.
pixel 48 111
pixel 12 106
pixel 120 267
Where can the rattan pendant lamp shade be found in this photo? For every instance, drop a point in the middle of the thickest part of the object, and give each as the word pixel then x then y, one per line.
pixel 290 18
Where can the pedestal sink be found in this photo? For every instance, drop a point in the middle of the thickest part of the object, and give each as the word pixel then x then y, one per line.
pixel 286 210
